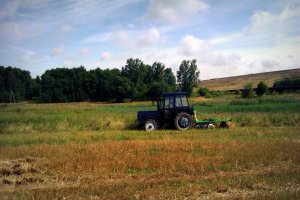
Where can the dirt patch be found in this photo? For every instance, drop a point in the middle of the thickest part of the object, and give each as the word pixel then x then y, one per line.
pixel 20 172
pixel 29 180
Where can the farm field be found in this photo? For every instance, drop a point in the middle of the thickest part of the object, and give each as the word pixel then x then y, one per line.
pixel 95 151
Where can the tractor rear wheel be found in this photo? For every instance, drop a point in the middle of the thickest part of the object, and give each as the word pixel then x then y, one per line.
pixel 150 125
pixel 183 121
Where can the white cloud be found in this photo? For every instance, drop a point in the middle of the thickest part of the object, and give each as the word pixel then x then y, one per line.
pixel 269 64
pixel 266 21
pixel 226 38
pixel 57 51
pixel 204 52
pixel 105 55
pixel 27 55
pixel 121 38
pixel 149 38
pixel 192 46
pixel 174 11
pixel 19 30
pixel 265 29
pixel 129 39
pixel 99 37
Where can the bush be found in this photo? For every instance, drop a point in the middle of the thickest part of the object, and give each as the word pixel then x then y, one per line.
pixel 203 92
pixel 247 91
pixel 261 89
pixel 287 82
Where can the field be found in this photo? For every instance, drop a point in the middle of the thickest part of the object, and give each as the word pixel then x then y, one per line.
pixel 238 82
pixel 94 151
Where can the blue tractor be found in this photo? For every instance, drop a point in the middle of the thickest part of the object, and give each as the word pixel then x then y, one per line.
pixel 173 111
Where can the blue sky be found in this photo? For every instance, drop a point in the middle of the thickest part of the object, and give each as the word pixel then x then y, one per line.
pixel 227 37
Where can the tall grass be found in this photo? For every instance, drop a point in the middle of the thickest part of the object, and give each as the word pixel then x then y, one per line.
pixel 86 137
pixel 57 117
pixel 31 118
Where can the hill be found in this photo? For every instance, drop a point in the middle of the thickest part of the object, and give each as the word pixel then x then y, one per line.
pixel 238 82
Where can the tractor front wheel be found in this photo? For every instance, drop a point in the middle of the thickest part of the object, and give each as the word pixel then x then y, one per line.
pixel 183 121
pixel 150 125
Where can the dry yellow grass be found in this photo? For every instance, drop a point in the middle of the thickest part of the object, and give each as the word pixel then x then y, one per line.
pixel 157 169
pixel 238 82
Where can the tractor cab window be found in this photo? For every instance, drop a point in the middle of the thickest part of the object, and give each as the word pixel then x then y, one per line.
pixel 169 102
pixel 181 101
pixel 160 103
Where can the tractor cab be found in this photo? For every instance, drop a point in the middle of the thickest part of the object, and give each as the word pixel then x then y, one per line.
pixel 171 103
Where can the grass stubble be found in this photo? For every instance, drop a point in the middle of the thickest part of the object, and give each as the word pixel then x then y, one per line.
pixel 245 162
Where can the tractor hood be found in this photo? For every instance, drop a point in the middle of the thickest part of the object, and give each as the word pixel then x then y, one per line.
pixel 144 115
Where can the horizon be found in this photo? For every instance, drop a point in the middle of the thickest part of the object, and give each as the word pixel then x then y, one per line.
pixel 227 38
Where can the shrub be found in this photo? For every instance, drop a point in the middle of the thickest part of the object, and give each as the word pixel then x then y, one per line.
pixel 261 89
pixel 247 91
pixel 203 92
pixel 287 82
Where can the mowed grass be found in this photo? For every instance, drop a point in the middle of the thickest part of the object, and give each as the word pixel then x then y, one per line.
pixel 94 151
pixel 254 163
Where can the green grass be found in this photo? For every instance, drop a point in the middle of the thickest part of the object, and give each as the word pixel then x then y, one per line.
pixel 262 107
pixel 85 137
pixel 34 118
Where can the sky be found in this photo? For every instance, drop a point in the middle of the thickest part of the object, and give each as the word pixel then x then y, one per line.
pixel 226 37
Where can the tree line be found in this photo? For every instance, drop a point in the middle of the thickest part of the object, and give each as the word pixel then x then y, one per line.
pixel 134 81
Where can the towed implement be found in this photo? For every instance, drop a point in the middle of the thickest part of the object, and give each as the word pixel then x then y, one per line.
pixel 174 111
pixel 210 122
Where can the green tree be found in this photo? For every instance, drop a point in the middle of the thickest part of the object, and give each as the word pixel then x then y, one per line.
pixel 188 76
pixel 261 89
pixel 139 74
pixel 65 85
pixel 169 79
pixel 14 81
pixel 136 71
pixel 122 88
pixel 157 71
pixel 161 80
